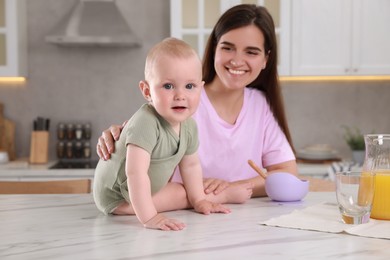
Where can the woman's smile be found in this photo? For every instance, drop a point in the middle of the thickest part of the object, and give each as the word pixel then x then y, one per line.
pixel 236 72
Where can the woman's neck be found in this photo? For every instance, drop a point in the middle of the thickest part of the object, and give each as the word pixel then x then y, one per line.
pixel 226 102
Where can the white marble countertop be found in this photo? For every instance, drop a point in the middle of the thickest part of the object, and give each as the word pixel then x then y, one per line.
pixel 70 227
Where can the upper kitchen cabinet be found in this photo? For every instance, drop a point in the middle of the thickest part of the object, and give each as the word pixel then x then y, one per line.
pixel 12 38
pixel 340 37
pixel 193 21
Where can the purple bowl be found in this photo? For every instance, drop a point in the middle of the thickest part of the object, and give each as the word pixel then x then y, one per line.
pixel 282 186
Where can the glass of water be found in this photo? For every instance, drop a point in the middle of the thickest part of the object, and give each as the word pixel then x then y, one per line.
pixel 355 193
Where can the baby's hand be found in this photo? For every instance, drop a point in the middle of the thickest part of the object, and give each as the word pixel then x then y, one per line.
pixel 206 207
pixel 161 222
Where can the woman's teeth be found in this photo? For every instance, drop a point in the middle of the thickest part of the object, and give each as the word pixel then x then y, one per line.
pixel 236 72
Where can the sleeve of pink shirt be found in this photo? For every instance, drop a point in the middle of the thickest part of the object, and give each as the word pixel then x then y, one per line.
pixel 276 148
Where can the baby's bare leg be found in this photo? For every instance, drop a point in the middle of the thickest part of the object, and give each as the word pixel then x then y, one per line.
pixel 172 197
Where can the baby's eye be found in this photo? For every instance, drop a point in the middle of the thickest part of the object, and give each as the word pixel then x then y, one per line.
pixel 168 86
pixel 190 86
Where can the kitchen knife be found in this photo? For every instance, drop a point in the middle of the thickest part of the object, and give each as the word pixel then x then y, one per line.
pixel 47 124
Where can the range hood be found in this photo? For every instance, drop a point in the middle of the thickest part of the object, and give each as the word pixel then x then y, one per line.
pixel 94 23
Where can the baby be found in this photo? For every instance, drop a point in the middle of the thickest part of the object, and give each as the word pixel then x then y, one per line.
pixel 158 137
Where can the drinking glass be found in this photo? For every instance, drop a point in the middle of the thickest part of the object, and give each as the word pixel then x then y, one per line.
pixel 355 192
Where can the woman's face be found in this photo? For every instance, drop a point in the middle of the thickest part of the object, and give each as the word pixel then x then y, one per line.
pixel 240 57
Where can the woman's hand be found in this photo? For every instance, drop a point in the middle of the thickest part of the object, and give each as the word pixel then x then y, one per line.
pixel 106 142
pixel 163 223
pixel 206 207
pixel 215 186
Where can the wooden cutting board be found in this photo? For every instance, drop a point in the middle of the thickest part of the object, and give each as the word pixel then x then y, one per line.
pixel 7 135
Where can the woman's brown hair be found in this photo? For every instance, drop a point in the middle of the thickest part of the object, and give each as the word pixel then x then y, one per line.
pixel 240 16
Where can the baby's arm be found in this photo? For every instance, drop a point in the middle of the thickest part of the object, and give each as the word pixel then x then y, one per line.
pixel 137 165
pixel 191 173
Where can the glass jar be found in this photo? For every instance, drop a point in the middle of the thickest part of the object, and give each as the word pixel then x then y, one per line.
pixel 70 131
pixel 78 150
pixel 87 149
pixel 87 131
pixel 377 160
pixel 61 131
pixel 60 150
pixel 69 150
pixel 78 132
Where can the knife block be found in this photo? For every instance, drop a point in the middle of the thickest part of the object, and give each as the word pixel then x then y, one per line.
pixel 39 147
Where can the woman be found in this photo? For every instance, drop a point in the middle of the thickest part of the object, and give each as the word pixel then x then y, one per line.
pixel 241 113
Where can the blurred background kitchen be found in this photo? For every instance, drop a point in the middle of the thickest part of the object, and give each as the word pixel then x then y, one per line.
pixel 99 84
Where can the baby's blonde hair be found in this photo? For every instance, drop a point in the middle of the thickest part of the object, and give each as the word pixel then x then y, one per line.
pixel 171 47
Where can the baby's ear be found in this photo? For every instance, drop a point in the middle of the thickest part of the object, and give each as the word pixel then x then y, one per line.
pixel 145 90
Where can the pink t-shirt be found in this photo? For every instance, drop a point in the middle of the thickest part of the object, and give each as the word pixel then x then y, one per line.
pixel 225 149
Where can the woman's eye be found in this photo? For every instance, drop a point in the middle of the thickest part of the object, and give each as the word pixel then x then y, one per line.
pixel 168 86
pixel 226 48
pixel 253 53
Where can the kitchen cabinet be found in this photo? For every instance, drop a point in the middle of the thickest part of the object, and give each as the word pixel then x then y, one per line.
pixel 193 21
pixel 340 37
pixel 12 38
pixel 46 187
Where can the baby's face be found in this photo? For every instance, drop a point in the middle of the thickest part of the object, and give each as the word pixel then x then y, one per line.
pixel 175 87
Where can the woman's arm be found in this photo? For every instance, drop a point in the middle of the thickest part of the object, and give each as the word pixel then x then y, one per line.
pixel 289 166
pixel 217 185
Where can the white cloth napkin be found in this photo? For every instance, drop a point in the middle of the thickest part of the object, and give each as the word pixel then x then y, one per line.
pixel 325 217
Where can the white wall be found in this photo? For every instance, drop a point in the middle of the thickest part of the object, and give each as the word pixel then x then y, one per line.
pixel 101 85
pixel 316 111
